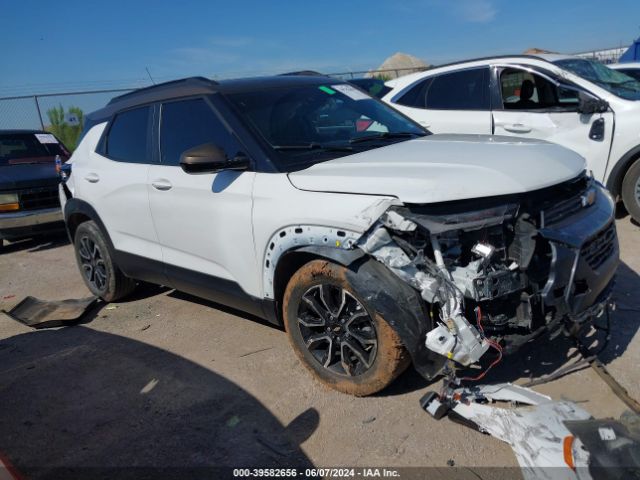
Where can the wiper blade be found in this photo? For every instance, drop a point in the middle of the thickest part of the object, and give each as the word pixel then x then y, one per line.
pixel 314 146
pixel 386 136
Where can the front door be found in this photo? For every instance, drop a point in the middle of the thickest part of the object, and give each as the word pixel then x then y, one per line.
pixel 532 106
pixel 203 220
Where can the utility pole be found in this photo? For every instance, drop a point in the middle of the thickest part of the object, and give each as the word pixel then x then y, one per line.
pixel 35 97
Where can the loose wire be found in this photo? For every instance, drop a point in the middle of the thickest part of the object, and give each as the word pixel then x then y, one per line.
pixel 495 345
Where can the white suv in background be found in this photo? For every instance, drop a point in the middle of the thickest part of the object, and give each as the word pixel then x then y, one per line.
pixel 305 201
pixel 578 103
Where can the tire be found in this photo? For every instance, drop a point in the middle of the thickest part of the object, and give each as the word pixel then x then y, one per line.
pixel 631 190
pixel 327 323
pixel 99 271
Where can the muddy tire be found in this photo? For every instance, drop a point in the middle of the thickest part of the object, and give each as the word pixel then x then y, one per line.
pixel 631 191
pixel 340 338
pixel 99 271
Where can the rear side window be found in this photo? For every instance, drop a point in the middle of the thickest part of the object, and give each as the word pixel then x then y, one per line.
pixel 462 90
pixel 189 123
pixel 417 95
pixel 128 135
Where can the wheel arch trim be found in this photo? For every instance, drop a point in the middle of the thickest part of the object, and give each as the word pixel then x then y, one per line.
pixel 619 170
pixel 75 206
pixel 324 242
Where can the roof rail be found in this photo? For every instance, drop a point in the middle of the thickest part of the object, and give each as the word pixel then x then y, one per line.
pixel 161 86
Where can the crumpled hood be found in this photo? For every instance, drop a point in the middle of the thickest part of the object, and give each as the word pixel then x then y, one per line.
pixel 441 168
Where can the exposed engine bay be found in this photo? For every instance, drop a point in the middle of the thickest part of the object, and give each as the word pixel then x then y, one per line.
pixel 498 272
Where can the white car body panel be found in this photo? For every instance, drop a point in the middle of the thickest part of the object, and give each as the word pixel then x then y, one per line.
pixel 625 66
pixel 423 170
pixel 569 130
pixel 203 220
pixel 564 128
pixel 446 121
pixel 278 204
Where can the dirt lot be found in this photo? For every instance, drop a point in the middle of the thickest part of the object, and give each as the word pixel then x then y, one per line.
pixel 165 379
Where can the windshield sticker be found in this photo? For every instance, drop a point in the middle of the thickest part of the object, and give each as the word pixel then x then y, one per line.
pixel 351 92
pixel 327 90
pixel 46 138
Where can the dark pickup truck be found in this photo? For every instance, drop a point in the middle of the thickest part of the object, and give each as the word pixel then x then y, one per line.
pixel 29 201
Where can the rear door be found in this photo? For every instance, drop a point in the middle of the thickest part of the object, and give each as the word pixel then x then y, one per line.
pixel 114 182
pixel 203 220
pixel 451 102
pixel 533 104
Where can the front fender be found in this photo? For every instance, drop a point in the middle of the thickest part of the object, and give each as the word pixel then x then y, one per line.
pixel 402 307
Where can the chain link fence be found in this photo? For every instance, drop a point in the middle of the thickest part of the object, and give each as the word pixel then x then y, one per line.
pixel 37 111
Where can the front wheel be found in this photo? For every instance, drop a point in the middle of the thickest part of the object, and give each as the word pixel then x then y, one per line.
pixel 337 336
pixel 631 191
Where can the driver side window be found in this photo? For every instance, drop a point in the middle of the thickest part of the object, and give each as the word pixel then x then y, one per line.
pixel 523 90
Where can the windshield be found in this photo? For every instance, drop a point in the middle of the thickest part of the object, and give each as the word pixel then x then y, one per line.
pixel 615 82
pixel 17 148
pixel 312 123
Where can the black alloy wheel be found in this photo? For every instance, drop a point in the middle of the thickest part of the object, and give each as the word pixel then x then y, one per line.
pixel 337 330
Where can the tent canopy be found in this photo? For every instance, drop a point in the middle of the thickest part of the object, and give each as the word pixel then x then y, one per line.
pixel 632 54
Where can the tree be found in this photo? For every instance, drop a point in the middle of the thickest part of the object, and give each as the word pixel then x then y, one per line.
pixel 67 134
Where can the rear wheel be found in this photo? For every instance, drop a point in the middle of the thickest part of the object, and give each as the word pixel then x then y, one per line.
pixel 631 190
pixel 99 270
pixel 336 335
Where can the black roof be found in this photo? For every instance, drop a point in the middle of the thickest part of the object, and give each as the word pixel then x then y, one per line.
pixel 202 86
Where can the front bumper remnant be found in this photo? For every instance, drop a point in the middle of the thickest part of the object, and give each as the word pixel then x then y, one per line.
pixel 531 423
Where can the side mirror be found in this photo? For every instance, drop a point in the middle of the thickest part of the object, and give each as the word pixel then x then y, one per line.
pixel 589 104
pixel 210 158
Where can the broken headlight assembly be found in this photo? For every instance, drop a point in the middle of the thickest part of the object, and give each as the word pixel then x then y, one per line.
pixel 486 273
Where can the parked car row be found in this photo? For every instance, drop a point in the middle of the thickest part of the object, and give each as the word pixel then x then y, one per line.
pixel 305 201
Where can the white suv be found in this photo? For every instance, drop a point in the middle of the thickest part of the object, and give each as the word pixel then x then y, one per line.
pixel 578 103
pixel 304 201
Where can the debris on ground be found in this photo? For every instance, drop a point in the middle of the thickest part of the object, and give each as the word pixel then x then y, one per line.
pixel 36 313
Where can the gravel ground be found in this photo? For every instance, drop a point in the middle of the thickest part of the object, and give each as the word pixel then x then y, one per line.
pixel 165 379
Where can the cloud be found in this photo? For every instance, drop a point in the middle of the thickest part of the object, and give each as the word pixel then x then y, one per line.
pixel 232 42
pixel 470 11
pixel 475 11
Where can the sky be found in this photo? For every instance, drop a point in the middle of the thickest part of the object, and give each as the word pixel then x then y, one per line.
pixel 72 45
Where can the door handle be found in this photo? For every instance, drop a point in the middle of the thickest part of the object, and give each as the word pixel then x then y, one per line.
pixel 161 184
pixel 517 128
pixel 92 177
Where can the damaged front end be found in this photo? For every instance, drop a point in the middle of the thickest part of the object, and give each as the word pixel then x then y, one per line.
pixel 500 271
